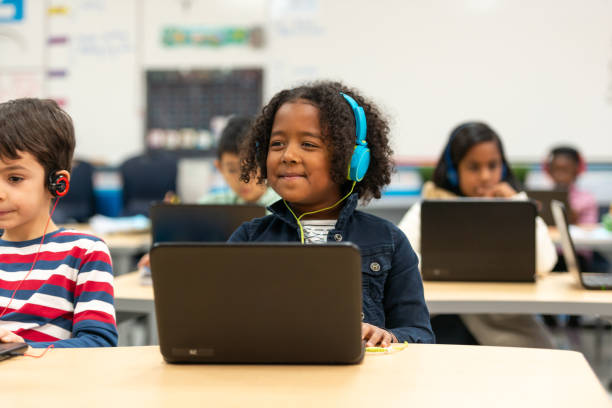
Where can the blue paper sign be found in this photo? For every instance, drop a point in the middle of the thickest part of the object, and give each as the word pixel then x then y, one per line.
pixel 11 11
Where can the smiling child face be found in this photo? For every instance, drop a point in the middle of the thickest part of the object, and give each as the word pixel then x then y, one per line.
pixel 298 163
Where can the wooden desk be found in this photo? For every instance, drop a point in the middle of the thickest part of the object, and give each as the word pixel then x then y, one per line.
pixel 132 296
pixel 420 375
pixel 593 237
pixel 554 294
pixel 123 246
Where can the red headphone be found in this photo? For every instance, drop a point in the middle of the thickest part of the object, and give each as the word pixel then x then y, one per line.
pixel 58 185
pixel 582 167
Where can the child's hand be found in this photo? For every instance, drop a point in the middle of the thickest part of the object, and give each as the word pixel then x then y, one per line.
pixel 10 337
pixel 171 197
pixel 144 261
pixel 375 336
pixel 500 190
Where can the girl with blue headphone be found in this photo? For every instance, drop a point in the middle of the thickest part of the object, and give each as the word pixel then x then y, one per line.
pixel 322 147
pixel 476 151
pixel 473 164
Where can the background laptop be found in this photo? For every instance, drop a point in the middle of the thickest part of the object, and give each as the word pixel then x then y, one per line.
pixel 258 303
pixel 543 198
pixel 478 240
pixel 589 280
pixel 199 222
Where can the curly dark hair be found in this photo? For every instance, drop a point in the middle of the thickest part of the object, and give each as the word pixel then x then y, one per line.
pixel 338 131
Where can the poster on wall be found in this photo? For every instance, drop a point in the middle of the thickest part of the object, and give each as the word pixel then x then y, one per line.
pixel 212 36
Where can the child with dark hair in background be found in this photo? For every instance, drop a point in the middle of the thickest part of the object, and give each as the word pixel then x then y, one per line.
pixel 564 165
pixel 473 164
pixel 303 144
pixel 228 164
pixel 56 285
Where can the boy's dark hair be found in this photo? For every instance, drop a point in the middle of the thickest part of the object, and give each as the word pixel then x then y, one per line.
pixel 233 135
pixel 39 127
pixel 567 151
pixel 338 131
pixel 462 139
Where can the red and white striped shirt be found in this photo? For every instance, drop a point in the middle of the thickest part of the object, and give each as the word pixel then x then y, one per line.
pixel 67 299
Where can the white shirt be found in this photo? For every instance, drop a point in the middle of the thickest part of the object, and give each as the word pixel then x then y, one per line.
pixel 315 231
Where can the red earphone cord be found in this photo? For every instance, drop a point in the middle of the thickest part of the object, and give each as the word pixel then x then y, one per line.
pixel 42 240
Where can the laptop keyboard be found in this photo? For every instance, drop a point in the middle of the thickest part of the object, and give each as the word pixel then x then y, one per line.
pixel 603 280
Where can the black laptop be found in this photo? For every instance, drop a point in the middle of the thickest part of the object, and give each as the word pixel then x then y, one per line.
pixel 199 222
pixel 543 198
pixel 258 303
pixel 478 240
pixel 589 280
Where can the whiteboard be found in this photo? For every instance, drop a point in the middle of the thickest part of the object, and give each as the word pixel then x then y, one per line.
pixel 538 71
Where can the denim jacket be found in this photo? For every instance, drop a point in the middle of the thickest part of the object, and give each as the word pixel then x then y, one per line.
pixel 392 287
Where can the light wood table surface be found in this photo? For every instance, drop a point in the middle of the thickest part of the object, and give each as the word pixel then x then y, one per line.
pixel 133 297
pixel 419 376
pixel 588 236
pixel 557 293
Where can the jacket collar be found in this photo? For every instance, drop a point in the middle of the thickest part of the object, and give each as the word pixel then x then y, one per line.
pixel 280 210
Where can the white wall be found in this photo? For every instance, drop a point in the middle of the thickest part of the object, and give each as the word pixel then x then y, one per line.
pixel 538 71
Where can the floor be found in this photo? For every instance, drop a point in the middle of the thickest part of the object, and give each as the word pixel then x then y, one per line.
pixel 594 339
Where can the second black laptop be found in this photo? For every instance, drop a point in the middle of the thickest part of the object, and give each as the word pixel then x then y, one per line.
pixel 478 240
pixel 199 222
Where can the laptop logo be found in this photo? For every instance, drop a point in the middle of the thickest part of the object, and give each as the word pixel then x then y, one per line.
pixel 193 352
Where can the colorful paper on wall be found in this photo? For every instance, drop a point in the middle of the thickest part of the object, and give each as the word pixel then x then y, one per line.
pixel 212 37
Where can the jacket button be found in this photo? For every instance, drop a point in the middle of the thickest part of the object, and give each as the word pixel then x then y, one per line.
pixel 338 237
pixel 375 266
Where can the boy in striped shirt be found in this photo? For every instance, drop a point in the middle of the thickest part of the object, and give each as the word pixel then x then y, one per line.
pixel 56 285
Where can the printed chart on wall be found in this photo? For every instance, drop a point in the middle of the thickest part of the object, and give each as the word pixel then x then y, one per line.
pixel 93 69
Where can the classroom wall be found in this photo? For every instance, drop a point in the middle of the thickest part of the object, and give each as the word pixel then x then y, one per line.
pixel 538 71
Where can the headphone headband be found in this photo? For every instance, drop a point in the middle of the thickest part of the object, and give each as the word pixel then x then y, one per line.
pixel 360 119
pixel 360 160
pixel 582 166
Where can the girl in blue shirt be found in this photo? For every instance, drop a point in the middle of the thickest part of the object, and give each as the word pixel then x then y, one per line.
pixel 303 144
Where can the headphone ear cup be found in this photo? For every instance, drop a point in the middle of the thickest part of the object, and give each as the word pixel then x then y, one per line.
pixel 360 161
pixel 59 185
pixel 451 176
pixel 504 172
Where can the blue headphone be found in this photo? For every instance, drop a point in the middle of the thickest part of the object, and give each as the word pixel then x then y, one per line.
pixel 451 171
pixel 360 160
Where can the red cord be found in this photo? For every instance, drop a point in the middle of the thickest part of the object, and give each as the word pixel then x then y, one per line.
pixel 50 346
pixel 35 259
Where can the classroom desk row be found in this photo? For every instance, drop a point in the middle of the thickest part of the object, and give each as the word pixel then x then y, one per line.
pixel 124 246
pixel 556 293
pixel 419 375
